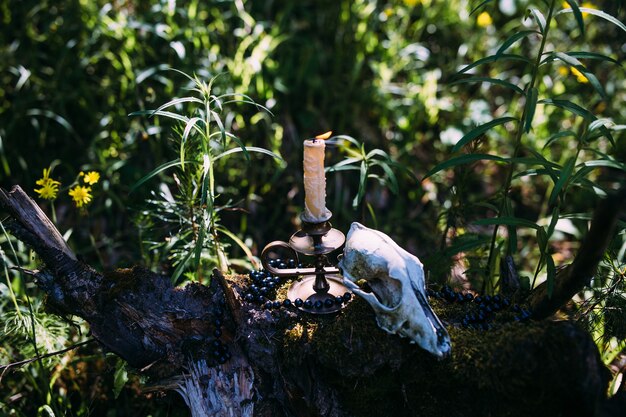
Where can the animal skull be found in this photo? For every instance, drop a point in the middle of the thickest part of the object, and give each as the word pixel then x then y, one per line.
pixel 399 289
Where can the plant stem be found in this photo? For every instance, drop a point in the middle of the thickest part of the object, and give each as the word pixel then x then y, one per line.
pixel 518 141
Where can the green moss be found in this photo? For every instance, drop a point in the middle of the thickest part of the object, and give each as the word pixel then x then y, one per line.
pixel 513 370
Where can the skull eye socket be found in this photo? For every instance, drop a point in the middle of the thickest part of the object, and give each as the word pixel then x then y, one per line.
pixel 387 291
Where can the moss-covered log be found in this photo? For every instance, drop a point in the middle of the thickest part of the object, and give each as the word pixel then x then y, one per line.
pixel 304 365
pixel 346 366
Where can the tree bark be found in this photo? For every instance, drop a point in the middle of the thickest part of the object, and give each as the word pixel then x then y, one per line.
pixel 286 363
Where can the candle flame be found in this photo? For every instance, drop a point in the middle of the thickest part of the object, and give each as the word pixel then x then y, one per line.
pixel 324 136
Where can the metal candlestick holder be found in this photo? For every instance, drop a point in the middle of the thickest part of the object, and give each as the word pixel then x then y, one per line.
pixel 317 284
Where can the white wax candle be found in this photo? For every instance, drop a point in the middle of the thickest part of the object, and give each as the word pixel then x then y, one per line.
pixel 315 210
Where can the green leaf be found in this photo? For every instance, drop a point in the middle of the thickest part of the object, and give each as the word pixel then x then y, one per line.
pixel 554 220
pixel 178 101
pixel 181 267
pixel 564 177
pixel 599 128
pixel 222 130
pixel 569 106
pixel 191 124
pixel 598 13
pixel 514 38
pixel 577 14
pixel 242 146
pixel 542 242
pixel 492 58
pixel 607 163
pixel 531 105
pixel 53 116
pixel 120 378
pixel 534 172
pixel 490 81
pixel 464 159
pixel 551 274
pixel 482 3
pixel 391 181
pixel 508 221
pixel 168 114
pixel 239 243
pixel 345 162
pixel 45 411
pixel 539 17
pixel 202 229
pixel 160 169
pixel 249 149
pixel 580 175
pixel 570 60
pixel 598 124
pixel 466 243
pixel 479 130
pixel 559 135
pixel 362 182
pixel 593 55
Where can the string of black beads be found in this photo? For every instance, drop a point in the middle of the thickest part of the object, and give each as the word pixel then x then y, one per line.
pixel 219 351
pixel 482 316
pixel 262 290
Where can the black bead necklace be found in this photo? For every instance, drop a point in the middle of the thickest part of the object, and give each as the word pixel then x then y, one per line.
pixel 218 350
pixel 262 290
pixel 487 307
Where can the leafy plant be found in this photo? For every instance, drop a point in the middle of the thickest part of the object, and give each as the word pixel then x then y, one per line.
pixel 573 168
pixel 202 140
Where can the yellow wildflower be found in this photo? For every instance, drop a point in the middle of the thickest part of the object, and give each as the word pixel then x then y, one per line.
pixel 91 177
pixel 563 71
pixel 484 20
pixel 49 187
pixel 81 195
pixel 579 76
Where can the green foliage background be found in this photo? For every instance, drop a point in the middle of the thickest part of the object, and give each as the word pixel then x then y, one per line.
pixel 385 73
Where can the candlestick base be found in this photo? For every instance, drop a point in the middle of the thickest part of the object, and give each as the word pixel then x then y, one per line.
pixel 303 289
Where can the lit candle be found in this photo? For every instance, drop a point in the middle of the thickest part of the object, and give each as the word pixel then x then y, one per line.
pixel 315 210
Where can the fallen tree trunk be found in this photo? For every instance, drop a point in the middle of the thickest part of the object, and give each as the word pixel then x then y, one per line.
pixel 228 357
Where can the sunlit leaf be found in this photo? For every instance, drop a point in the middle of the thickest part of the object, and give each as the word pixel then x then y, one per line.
pixel 481 4
pixel 463 159
pixel 574 62
pixel 559 135
pixel 168 114
pixel 577 14
pixel 53 116
pixel 551 274
pixel 160 169
pixel 598 13
pixel 392 181
pixel 493 58
pixel 529 110
pixel 239 243
pixel 490 81
pixel 569 106
pixel 514 38
pixel 480 130
pixel 249 149
pixel 540 19
pixel 177 101
pixel 508 221
pixel 606 163
pixel 564 177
